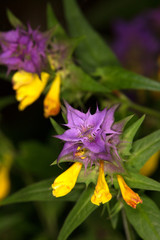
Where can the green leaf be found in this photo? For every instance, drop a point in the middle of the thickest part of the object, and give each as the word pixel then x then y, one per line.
pixel 143 149
pixel 83 82
pixel 113 77
pixel 92 51
pixel 113 212
pixel 145 219
pixel 52 22
pixel 136 180
pixel 82 209
pixel 14 21
pixel 57 127
pixel 129 134
pixel 41 191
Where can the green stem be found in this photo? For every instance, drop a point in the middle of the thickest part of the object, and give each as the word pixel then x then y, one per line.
pixel 127 227
pixel 121 98
pixel 145 110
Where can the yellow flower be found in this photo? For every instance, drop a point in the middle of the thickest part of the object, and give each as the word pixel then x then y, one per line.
pixel 4 175
pixel 151 165
pixel 65 182
pixel 51 101
pixel 101 193
pixel 130 197
pixel 28 87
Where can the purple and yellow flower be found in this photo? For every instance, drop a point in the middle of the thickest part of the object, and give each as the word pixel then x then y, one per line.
pixel 30 52
pixel 92 139
pixel 23 50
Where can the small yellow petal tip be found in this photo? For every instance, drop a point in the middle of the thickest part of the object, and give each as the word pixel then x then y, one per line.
pixel 65 182
pixel 101 193
pixel 151 165
pixel 52 101
pixel 129 196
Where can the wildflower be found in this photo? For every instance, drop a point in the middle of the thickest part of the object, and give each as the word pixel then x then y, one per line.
pixel 28 87
pixel 130 197
pixel 23 50
pixel 51 101
pixel 5 165
pixel 93 139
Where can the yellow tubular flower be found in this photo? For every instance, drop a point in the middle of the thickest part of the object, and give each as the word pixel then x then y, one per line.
pixel 130 197
pixel 151 165
pixel 28 87
pixel 101 193
pixel 51 101
pixel 4 175
pixel 65 182
pixel 4 182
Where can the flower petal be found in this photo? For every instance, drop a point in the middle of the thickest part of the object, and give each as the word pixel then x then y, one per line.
pixel 75 117
pixel 109 120
pixel 52 101
pixel 28 87
pixel 130 197
pixel 101 193
pixel 65 182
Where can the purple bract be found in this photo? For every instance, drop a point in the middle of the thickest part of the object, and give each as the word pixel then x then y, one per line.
pixel 23 50
pixel 91 137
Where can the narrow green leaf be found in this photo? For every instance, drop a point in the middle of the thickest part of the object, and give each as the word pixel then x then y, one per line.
pixel 92 51
pixel 136 180
pixel 113 212
pixel 129 134
pixel 113 77
pixel 82 209
pixel 145 219
pixel 41 191
pixel 14 21
pixel 143 149
pixel 56 126
pixel 52 22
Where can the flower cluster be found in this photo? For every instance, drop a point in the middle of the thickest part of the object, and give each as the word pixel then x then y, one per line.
pixel 27 52
pixel 93 139
pixel 23 50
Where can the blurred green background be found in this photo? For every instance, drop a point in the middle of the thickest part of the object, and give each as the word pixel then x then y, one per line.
pixel 31 134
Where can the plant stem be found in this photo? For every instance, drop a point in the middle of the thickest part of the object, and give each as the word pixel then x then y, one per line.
pixel 127 228
pixel 121 98
pixel 145 110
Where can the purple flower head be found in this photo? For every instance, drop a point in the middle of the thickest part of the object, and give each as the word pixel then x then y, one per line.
pixel 22 49
pixel 136 45
pixel 90 137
